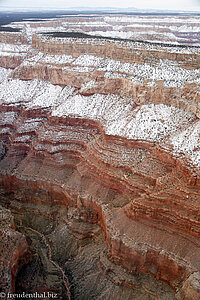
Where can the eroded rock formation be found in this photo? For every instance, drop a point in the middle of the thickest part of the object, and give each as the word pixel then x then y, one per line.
pixel 14 252
pixel 104 135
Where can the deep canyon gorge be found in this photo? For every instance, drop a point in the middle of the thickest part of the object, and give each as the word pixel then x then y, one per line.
pixel 100 157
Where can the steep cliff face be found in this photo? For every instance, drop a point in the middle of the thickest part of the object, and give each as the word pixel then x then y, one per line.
pixel 104 136
pixel 14 252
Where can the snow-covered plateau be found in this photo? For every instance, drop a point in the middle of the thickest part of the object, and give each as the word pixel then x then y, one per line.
pixel 92 98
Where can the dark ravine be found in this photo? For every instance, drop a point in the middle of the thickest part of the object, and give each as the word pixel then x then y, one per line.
pixel 81 252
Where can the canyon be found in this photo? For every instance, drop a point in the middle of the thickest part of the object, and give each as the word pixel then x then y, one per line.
pixel 100 157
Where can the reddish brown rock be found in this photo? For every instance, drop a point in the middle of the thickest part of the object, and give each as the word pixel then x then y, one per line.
pixel 14 252
pixel 87 148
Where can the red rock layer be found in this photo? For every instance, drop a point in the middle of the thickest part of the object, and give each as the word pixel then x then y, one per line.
pixel 112 50
pixel 145 198
pixel 149 212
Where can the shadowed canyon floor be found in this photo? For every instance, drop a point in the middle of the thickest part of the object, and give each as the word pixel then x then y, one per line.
pixel 100 157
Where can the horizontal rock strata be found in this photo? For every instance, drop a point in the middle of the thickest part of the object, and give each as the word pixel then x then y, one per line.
pixel 109 130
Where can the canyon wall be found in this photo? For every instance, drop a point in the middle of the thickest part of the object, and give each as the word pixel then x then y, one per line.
pixel 106 133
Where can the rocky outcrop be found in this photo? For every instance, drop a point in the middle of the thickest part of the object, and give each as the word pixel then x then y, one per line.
pixel 95 141
pixel 123 51
pixel 13 38
pixel 14 252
